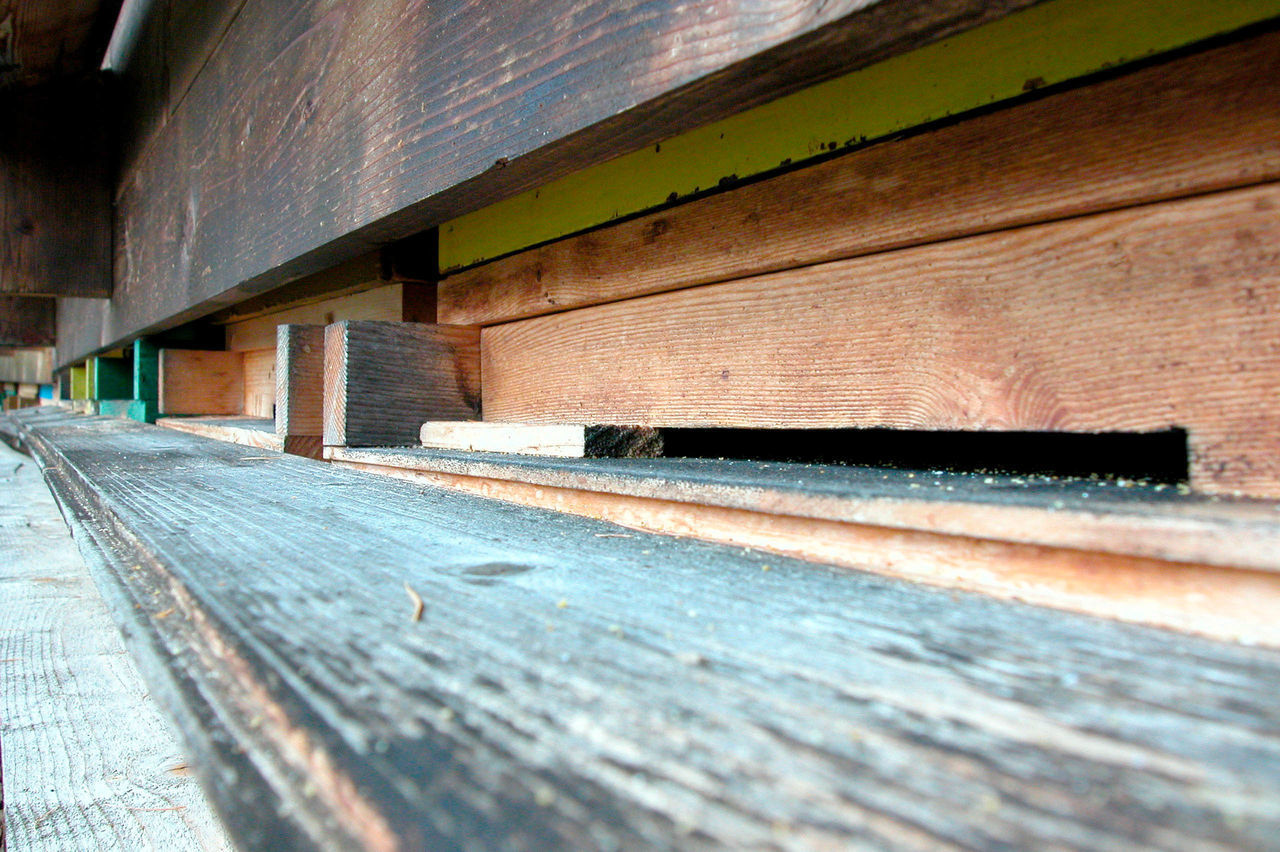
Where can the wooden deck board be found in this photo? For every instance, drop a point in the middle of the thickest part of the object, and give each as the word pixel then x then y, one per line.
pixel 570 684
pixel 89 761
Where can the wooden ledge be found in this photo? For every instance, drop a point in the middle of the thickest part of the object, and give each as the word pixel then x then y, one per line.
pixel 246 431
pixel 567 683
pixel 1144 553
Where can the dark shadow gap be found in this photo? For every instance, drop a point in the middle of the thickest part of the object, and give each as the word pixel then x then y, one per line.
pixel 1159 457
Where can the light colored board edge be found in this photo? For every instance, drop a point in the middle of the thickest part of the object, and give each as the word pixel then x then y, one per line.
pixel 564 441
pixel 254 432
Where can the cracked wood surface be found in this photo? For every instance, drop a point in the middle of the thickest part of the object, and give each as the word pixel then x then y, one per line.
pixel 571 684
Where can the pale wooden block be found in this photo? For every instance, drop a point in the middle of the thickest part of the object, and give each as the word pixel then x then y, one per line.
pixel 196 381
pixel 563 441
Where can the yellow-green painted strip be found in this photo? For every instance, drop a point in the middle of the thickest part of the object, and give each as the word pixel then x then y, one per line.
pixel 79 383
pixel 1049 43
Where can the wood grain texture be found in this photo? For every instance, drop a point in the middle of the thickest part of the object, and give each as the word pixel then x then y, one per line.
pixel 196 381
pixel 385 303
pixel 1223 603
pixel 475 106
pixel 259 383
pixel 570 688
pixel 27 365
pixel 89 760
pixel 55 190
pixel 383 380
pixel 299 380
pixel 27 321
pixel 246 430
pixel 1136 320
pixel 42 42
pixel 1201 123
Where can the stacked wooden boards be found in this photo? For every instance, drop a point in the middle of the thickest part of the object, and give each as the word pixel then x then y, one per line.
pixel 1095 260
pixel 568 684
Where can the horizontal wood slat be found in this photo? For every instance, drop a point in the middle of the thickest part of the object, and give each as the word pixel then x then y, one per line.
pixel 570 684
pixel 370 128
pixel 27 321
pixel 1133 320
pixel 1204 122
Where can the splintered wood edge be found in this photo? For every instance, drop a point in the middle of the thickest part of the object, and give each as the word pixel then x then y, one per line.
pixel 256 435
pixel 1221 602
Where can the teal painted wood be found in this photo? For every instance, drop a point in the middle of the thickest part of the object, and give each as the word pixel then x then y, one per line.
pixel 146 368
pixel 142 410
pixel 113 378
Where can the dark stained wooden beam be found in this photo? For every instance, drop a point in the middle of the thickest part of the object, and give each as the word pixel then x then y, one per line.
pixel 27 321
pixel 42 41
pixel 55 195
pixel 569 684
pixel 369 128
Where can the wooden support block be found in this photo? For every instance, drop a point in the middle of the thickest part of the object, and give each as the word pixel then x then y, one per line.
pixel 110 378
pixel 146 368
pixel 193 381
pixel 1201 123
pixel 1137 320
pixel 299 381
pixel 383 380
pixel 27 321
pixel 558 440
pixel 260 383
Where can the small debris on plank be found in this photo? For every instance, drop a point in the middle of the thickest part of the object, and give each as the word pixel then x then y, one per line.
pixel 417 603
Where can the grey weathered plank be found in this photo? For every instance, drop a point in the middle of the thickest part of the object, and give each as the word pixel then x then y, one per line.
pixel 89 761
pixel 571 685
pixel 383 380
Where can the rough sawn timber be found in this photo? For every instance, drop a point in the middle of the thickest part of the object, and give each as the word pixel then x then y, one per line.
pixel 1134 320
pixel 573 686
pixel 370 128
pixel 1192 125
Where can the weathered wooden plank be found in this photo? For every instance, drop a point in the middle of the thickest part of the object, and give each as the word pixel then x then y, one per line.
pixel 195 381
pixel 203 217
pixel 1134 553
pixel 41 42
pixel 33 365
pixel 27 321
pixel 567 687
pixel 55 191
pixel 1200 123
pixel 300 381
pixel 1136 320
pixel 972 70
pixel 89 761
pixel 383 380
pixel 245 430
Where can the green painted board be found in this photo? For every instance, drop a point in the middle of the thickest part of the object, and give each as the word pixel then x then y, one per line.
pixel 80 382
pixel 133 409
pixel 146 367
pixel 110 378
pixel 1050 43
